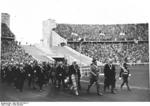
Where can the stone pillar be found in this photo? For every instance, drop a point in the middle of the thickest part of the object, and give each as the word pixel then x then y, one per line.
pixel 48 25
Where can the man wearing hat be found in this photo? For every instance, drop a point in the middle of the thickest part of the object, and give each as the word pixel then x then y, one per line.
pixel 21 77
pixel 124 74
pixel 29 73
pixel 94 76
pixel 109 74
pixel 60 74
pixel 73 77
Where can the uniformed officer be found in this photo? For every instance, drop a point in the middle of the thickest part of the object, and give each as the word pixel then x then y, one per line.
pixel 60 74
pixel 29 73
pixel 73 77
pixel 52 75
pixel 40 75
pixel 3 73
pixel 124 74
pixel 78 76
pixel 94 76
pixel 21 77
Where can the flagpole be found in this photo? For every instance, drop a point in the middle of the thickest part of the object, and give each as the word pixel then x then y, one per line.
pixel 80 53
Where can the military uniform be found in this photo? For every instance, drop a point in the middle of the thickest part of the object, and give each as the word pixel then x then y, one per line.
pixel 21 78
pixel 40 76
pixel 60 75
pixel 124 73
pixel 29 74
pixel 94 76
pixel 73 78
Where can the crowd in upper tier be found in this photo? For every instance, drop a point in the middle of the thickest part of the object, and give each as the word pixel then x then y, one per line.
pixel 103 32
pixel 134 52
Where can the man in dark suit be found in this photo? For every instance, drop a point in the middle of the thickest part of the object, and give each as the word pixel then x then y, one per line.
pixel 109 74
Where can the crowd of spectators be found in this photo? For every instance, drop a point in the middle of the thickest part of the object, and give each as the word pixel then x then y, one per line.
pixel 5 31
pixel 103 32
pixel 123 33
pixel 11 51
pixel 135 53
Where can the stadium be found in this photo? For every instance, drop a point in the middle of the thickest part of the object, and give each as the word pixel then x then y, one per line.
pixel 82 43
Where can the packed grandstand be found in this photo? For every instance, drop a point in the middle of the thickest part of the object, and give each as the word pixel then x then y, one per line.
pixel 11 51
pixel 109 41
pixel 100 41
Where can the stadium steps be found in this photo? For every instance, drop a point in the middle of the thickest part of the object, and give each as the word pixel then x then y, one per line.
pixel 71 55
pixel 37 53
pixel 43 54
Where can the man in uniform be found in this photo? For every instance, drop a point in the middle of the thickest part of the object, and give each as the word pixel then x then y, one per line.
pixel 73 77
pixel 21 77
pixel 3 73
pixel 94 76
pixel 78 76
pixel 124 73
pixel 40 75
pixel 109 74
pixel 60 74
pixel 29 73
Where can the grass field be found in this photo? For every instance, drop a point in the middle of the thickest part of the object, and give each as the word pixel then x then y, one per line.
pixel 139 76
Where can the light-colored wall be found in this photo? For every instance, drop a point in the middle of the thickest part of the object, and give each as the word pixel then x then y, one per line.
pixel 51 38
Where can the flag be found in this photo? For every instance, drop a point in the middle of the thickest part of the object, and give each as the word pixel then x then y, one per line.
pixel 122 34
pixel 74 34
pixel 136 41
pixel 101 34
pixel 81 40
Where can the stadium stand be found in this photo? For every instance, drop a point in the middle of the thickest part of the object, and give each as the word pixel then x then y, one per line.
pixel 103 32
pixel 108 41
pixel 11 51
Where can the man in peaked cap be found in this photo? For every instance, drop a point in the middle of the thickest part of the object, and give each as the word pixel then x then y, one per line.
pixel 94 76
pixel 60 75
pixel 73 77
pixel 124 74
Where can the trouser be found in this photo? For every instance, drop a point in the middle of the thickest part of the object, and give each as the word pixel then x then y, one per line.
pixel 79 85
pixel 61 81
pixel 21 84
pixel 74 84
pixel 125 81
pixel 16 82
pixel 29 81
pixel 108 84
pixel 92 81
pixel 33 82
pixel 40 83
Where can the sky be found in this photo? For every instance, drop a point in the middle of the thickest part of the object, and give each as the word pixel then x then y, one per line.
pixel 26 16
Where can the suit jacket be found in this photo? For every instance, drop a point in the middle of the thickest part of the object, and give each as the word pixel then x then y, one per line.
pixel 109 72
pixel 124 72
pixel 72 70
pixel 60 72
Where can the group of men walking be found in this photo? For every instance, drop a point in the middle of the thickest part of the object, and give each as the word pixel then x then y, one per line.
pixel 61 75
pixel 109 76
pixel 38 74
